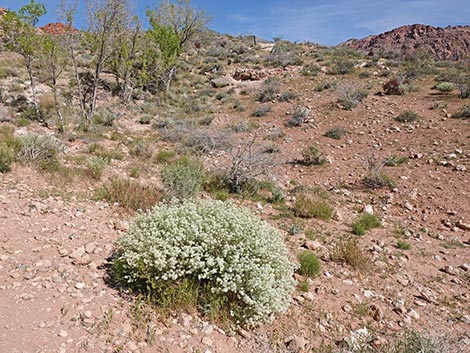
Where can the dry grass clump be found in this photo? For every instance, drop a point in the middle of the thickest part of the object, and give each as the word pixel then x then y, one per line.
pixel 312 202
pixel 348 251
pixel 129 194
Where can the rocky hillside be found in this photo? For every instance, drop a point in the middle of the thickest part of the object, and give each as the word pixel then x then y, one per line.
pixel 450 43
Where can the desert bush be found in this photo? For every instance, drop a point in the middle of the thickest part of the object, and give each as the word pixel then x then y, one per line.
pixel 7 157
pixel 283 54
pixel 310 70
pixel 288 96
pixel 271 88
pixel 231 258
pixel 298 118
pixel 348 251
pixel 164 156
pixel 445 87
pixel 351 94
pixel 101 151
pixel 183 178
pixel 393 87
pixel 104 117
pixel 245 164
pixel 364 223
pixel 341 66
pixel 464 88
pixel 129 194
pixel 463 113
pixel 140 148
pixel 336 133
pixel 312 203
pixel 407 117
pixel 94 167
pixel 262 111
pixel 310 265
pixel 323 86
pixel 35 148
pixel 312 155
pixel 375 178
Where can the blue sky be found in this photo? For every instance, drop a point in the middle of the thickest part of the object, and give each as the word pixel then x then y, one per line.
pixel 322 21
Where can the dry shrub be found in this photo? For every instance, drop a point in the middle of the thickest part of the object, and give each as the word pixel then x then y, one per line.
pixel 312 202
pixel 348 251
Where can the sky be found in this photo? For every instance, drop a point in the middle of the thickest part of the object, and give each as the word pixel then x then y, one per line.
pixel 327 22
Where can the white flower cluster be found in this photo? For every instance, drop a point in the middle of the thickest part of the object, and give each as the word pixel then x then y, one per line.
pixel 221 244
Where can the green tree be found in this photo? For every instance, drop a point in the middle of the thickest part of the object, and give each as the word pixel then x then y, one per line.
pixel 21 36
pixel 173 24
pixel 54 58
pixel 107 22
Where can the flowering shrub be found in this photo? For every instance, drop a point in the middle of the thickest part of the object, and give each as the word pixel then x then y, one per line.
pixel 226 250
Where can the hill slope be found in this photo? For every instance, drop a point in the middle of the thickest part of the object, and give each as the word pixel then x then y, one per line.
pixel 450 43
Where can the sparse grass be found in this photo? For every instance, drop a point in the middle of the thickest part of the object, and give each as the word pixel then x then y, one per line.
pixel 351 94
pixel 407 117
pixel 394 161
pixel 312 203
pixel 310 265
pixel 101 151
pixel 129 194
pixel 364 223
pixel 164 156
pixel 271 88
pixel 403 245
pixel 7 157
pixel 312 155
pixel 348 251
pixel 288 96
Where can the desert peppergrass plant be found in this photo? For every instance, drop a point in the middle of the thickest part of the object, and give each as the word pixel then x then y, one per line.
pixel 193 250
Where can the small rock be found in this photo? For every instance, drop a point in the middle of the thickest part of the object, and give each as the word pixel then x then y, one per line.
pixel 90 248
pixel 296 344
pixel 347 308
pixel 450 270
pixel 408 206
pixel 465 267
pixel 464 226
pixel 207 341
pixel 368 209
pixel 62 333
pixel 376 312
pixel 207 329
pixel 313 245
pixel 131 346
pixel 78 253
pixel 82 261
pixel 413 314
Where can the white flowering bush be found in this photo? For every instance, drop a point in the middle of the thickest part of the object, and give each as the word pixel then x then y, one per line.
pixel 237 257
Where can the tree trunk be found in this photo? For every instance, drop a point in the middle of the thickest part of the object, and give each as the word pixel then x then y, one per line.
pixel 33 87
pixel 171 75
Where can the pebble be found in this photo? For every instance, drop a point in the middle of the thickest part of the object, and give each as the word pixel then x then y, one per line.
pixel 207 329
pixel 62 333
pixel 207 341
pixel 368 209
pixel 413 314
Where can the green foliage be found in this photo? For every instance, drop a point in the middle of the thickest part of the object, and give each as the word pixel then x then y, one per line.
pixel 94 167
pixel 207 246
pixel 364 223
pixel 7 157
pixel 312 203
pixel 164 156
pixel 312 155
pixel 341 66
pixel 403 245
pixel 407 117
pixel 445 87
pixel 309 264
pixel 288 96
pixel 108 154
pixel 283 54
pixel 35 148
pixel 129 194
pixel 183 178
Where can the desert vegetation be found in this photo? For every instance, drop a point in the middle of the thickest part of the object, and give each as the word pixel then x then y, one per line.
pixel 173 188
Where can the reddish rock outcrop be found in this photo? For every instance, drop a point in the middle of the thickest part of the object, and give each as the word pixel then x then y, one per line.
pixel 450 43
pixel 57 29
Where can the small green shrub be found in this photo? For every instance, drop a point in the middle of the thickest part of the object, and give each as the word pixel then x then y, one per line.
pixel 445 87
pixel 298 118
pixel 351 94
pixel 312 203
pixel 336 133
pixel 364 223
pixel 7 157
pixel 129 194
pixel 341 66
pixel 101 151
pixel 394 161
pixel 183 178
pixel 288 96
pixel 403 245
pixel 214 247
pixel 262 111
pixel 407 117
pixel 271 88
pixel 104 118
pixel 94 167
pixel 283 54
pixel 312 155
pixel 309 264
pixel 463 113
pixel 35 148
